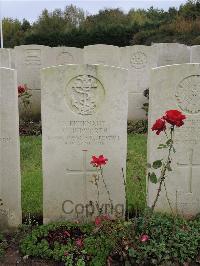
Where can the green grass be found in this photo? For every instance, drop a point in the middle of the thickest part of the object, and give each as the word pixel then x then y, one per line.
pixel 136 172
pixel 31 167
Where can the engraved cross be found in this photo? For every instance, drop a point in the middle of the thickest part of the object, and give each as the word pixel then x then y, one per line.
pixel 84 170
pixel 189 166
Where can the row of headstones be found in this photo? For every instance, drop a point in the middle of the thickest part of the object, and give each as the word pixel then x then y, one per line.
pixel 138 59
pixel 82 117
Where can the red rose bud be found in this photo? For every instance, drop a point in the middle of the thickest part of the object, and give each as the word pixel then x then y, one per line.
pixel 144 238
pixel 159 126
pixel 66 254
pixel 174 117
pixel 98 161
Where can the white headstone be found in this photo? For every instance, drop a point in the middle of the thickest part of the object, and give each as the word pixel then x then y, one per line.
pixel 195 54
pixel 10 183
pixel 29 59
pixel 139 60
pixel 177 87
pixel 171 53
pixel 84 113
pixel 5 57
pixel 66 55
pixel 102 54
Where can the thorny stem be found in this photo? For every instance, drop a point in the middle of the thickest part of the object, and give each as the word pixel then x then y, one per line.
pixel 164 169
pixel 125 185
pixel 168 197
pixel 101 171
pixel 97 186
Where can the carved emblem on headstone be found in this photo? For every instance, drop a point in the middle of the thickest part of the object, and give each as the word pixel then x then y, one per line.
pixel 84 94
pixel 188 94
pixel 138 60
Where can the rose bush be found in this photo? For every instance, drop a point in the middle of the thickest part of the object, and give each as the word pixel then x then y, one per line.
pixel 174 118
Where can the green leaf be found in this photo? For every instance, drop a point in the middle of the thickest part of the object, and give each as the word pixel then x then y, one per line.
pixel 157 164
pixel 153 178
pixel 168 142
pixel 162 146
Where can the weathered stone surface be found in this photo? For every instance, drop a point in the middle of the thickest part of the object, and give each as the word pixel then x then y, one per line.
pixel 5 57
pixel 195 54
pixel 171 53
pixel 10 183
pixel 139 60
pixel 177 87
pixel 84 113
pixel 102 54
pixel 66 55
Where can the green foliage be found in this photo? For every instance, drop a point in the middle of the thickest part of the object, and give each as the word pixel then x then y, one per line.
pixel 171 240
pixel 96 244
pixel 70 27
pixel 3 245
pixel 137 127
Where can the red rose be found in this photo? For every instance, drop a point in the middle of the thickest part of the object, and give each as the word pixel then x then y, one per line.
pixel 98 161
pixel 174 117
pixel 21 89
pixel 159 126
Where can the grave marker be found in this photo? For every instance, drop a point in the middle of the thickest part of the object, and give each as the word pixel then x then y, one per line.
pixel 177 87
pixel 84 113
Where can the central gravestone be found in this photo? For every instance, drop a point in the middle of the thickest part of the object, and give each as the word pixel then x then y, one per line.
pixel 84 113
pixel 177 87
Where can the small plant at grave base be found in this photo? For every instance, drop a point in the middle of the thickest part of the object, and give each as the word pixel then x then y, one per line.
pixel 173 119
pixel 99 162
pixel 24 95
pixel 71 243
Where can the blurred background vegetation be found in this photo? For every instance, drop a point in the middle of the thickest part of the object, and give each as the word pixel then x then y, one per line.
pixel 71 27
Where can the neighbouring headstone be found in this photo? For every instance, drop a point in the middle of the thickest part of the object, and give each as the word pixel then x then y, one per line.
pixel 5 57
pixel 171 53
pixel 139 60
pixel 66 55
pixel 10 183
pixel 177 87
pixel 195 54
pixel 29 59
pixel 84 113
pixel 102 54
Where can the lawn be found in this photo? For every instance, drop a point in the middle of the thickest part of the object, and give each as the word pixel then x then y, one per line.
pixel 31 167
